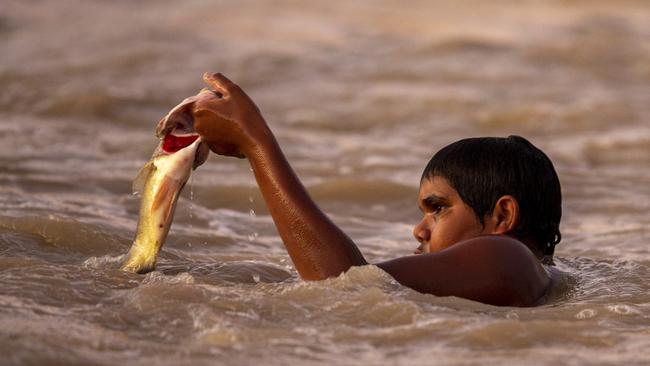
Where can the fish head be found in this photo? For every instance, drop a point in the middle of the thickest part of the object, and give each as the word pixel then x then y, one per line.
pixel 176 131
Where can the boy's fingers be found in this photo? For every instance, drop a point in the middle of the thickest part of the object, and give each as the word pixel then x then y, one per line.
pixel 221 83
pixel 210 93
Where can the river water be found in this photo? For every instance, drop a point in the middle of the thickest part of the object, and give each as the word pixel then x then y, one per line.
pixel 360 95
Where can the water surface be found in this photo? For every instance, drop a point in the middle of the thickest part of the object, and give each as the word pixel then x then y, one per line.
pixel 360 95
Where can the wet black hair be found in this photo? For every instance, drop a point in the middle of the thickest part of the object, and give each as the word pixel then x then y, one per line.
pixel 484 169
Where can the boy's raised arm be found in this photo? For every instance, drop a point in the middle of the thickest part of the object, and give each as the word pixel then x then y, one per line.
pixel 231 124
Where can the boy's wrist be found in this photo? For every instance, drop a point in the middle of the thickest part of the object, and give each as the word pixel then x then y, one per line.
pixel 261 140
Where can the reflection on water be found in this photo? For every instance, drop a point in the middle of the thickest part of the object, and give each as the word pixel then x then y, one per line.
pixel 360 95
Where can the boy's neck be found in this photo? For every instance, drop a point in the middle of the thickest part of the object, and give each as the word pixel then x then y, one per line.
pixel 532 245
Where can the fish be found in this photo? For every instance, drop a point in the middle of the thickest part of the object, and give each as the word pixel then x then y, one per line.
pixel 160 182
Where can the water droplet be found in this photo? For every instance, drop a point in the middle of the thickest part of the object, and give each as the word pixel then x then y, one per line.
pixel 256 278
pixel 252 213
pixel 191 188
pixel 191 207
pixel 191 195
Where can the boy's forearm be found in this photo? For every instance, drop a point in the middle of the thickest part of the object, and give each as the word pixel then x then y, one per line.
pixel 231 124
pixel 318 248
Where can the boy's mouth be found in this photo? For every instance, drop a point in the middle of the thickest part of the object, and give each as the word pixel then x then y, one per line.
pixel 423 248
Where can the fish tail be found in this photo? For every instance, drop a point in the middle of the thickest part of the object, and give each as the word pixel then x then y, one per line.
pixel 139 261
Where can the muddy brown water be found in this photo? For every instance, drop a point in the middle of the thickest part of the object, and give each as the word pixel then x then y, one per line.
pixel 360 95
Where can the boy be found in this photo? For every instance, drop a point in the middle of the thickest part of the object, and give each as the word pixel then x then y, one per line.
pixel 491 209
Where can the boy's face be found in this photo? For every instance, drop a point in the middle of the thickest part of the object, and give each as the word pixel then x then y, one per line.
pixel 447 219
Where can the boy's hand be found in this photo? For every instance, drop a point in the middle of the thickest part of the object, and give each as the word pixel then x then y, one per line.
pixel 226 118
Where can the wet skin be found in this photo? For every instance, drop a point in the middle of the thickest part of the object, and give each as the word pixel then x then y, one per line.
pixel 446 218
pixel 458 256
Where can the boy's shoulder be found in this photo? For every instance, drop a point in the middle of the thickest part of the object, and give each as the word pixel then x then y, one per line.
pixel 493 269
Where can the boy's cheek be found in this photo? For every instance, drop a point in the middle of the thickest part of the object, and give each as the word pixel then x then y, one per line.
pixel 435 247
pixel 441 242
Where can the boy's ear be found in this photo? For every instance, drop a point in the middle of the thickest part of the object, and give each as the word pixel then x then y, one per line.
pixel 505 216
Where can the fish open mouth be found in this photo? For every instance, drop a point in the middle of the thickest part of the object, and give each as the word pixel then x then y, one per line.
pixel 172 143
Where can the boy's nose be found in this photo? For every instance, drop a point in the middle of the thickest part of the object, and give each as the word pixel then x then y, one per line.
pixel 421 233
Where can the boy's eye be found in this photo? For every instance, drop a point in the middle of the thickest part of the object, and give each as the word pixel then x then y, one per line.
pixel 433 208
pixel 433 205
pixel 436 208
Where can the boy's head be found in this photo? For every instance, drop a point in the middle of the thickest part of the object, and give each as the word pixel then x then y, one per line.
pixel 492 174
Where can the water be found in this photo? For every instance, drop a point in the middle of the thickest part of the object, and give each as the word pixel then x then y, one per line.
pixel 360 95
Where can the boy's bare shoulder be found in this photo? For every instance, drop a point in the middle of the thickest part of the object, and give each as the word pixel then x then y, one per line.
pixel 492 269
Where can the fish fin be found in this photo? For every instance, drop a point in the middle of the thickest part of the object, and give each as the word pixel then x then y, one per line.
pixel 141 179
pixel 168 187
pixel 166 199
